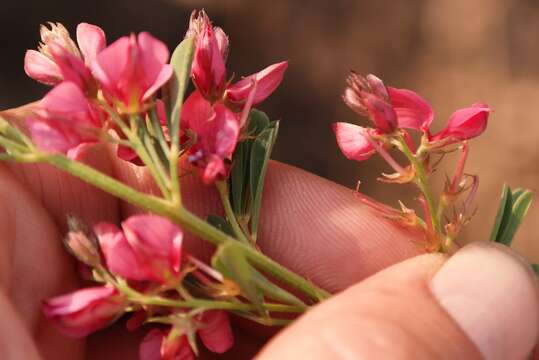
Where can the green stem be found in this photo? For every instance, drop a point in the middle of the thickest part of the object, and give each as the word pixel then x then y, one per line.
pixel 222 188
pixel 182 217
pixel 422 183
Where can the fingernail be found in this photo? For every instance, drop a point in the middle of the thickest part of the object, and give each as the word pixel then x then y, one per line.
pixel 492 294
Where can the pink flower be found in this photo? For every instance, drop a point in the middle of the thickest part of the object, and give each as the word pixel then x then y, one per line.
pixel 209 71
pixel 66 121
pixel 120 257
pixel 464 124
pixel 215 331
pixel 60 59
pixel 353 140
pixel 132 70
pixel 217 130
pixel 149 248
pixel 84 311
pixel 156 347
pixel 157 243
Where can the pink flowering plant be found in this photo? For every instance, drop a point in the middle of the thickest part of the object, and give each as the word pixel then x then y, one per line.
pixel 133 95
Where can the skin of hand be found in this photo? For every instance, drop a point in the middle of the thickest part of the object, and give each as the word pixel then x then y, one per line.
pixel 392 301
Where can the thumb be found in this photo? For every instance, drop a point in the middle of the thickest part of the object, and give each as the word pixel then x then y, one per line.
pixel 482 302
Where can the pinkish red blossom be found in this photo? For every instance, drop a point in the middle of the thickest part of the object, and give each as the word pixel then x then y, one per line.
pixel 84 311
pixel 156 243
pixel 209 70
pixel 216 129
pixel 464 124
pixel 149 248
pixel 131 70
pixel 66 121
pixel 60 59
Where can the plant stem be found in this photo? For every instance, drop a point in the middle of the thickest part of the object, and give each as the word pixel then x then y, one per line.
pixel 182 217
pixel 222 188
pixel 422 183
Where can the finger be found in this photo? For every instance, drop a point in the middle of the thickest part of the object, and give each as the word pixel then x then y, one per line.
pixel 464 312
pixel 33 266
pixel 313 226
pixel 15 339
pixel 60 193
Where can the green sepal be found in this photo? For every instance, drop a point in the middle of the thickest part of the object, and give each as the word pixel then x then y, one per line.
pixel 273 291
pixel 230 260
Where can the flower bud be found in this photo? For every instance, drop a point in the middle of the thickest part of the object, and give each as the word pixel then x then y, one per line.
pixel 57 34
pixel 83 248
pixel 84 311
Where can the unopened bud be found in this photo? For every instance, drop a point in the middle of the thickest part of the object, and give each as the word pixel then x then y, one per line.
pixel 56 34
pixel 83 248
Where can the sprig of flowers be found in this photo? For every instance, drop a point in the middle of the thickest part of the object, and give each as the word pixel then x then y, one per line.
pixel 394 113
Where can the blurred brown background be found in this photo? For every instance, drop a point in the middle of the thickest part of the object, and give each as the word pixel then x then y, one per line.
pixel 453 52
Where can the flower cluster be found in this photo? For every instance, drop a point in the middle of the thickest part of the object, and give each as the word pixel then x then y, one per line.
pixel 142 268
pixel 393 113
pixel 99 88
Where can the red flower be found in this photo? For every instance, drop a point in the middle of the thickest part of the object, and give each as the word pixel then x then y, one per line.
pixel 66 121
pixel 217 130
pixel 84 311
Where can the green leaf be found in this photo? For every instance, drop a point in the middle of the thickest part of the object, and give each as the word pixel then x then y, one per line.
pixel 181 61
pixel 504 213
pixel 519 209
pixel 535 268
pixel 260 155
pixel 221 224
pixel 239 178
pixel 258 122
pixel 231 262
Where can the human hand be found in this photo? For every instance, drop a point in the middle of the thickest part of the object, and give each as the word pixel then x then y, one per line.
pixel 484 300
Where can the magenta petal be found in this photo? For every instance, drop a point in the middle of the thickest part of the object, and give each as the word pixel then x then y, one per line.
pixel 466 123
pixel 215 167
pixel 352 141
pixel 156 242
pixel 227 131
pixel 381 113
pixel 84 311
pixel 153 53
pixel 49 138
pixel 413 112
pixel 267 81
pixel 208 70
pixel 67 103
pixel 164 75
pixel 119 256
pixel 216 333
pixel 91 40
pixel 72 67
pixel 80 151
pixel 41 68
pixel 111 64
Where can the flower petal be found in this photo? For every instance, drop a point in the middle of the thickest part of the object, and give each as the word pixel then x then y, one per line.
pixel 216 333
pixel 267 81
pixel 91 40
pixel 465 123
pixel 352 141
pixel 413 112
pixel 41 68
